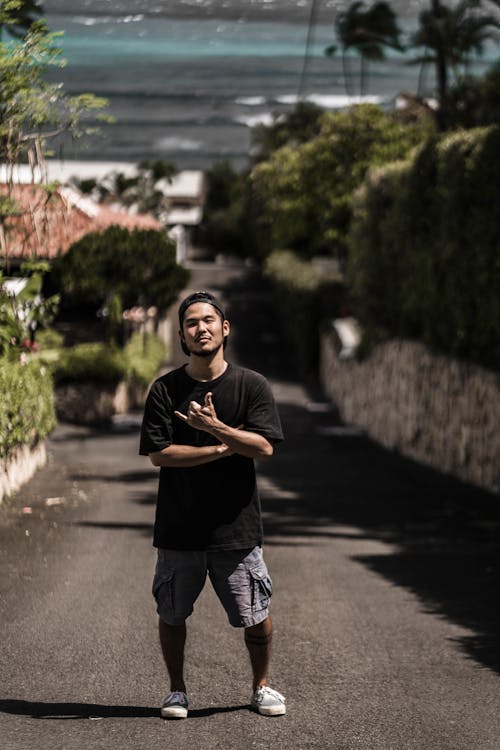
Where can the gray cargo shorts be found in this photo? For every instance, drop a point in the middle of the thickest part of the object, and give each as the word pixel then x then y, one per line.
pixel 239 577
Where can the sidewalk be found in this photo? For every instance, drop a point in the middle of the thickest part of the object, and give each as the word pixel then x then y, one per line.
pixel 386 591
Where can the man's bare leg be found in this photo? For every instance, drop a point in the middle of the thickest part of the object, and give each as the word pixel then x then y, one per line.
pixel 258 642
pixel 173 640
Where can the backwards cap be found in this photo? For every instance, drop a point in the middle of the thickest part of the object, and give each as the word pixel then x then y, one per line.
pixel 201 296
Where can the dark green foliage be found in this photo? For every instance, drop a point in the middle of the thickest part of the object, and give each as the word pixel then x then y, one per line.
pixel 98 362
pixel 228 217
pixel 425 248
pixel 138 361
pixel 305 192
pixel 27 406
pixel 145 354
pixel 306 297
pixel 298 126
pixel 138 266
pixel 368 30
pixel 476 101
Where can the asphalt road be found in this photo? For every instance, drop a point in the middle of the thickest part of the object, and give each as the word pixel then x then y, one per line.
pixel 386 591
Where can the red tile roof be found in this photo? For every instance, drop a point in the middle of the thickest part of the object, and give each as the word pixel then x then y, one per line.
pixel 49 223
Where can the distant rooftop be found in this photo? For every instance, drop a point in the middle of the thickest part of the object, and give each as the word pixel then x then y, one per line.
pixel 63 171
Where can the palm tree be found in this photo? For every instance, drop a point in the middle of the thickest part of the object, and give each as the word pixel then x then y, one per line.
pixel 368 32
pixel 449 37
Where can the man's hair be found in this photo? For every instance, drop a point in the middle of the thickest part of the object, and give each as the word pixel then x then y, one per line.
pixel 192 299
pixel 201 296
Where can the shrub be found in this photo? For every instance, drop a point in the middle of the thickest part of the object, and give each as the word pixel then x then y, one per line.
pixel 139 361
pixel 305 297
pixel 139 267
pixel 49 338
pixel 145 354
pixel 91 361
pixel 27 406
pixel 425 248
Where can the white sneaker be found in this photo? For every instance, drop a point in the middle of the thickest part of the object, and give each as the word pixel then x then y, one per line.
pixel 175 706
pixel 268 702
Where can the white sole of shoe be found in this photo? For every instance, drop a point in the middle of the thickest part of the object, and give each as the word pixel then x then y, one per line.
pixel 174 712
pixel 271 710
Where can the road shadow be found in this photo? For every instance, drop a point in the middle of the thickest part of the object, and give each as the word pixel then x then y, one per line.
pixel 445 533
pixel 326 484
pixel 96 711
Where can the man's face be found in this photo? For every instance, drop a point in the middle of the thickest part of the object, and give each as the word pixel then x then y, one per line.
pixel 203 331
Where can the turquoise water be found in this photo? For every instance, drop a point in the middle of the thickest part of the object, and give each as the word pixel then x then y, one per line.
pixel 189 90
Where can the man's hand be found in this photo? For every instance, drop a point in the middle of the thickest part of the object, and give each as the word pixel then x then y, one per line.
pixel 200 417
pixel 235 439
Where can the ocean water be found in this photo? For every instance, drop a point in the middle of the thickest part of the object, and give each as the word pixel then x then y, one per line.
pixel 187 79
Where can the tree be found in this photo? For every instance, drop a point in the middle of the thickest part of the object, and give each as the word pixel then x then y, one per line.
pixel 139 266
pixel 305 192
pixel 368 32
pixel 298 126
pixel 26 13
pixel 33 112
pixel 449 36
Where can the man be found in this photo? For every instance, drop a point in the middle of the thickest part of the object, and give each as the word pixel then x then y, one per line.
pixel 203 425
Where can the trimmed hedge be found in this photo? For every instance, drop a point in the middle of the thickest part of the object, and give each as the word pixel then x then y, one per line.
pixel 305 298
pixel 27 412
pixel 425 248
pixel 139 361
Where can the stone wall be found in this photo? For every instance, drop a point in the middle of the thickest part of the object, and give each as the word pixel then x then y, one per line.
pixel 432 408
pixel 19 467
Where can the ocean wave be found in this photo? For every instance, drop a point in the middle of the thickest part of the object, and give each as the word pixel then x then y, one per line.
pixel 175 143
pixel 264 118
pixel 251 101
pixel 330 101
pixel 338 101
pixel 94 20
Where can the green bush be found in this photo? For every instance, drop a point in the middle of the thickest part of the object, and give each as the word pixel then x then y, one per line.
pixel 49 338
pixel 99 362
pixel 145 354
pixel 425 248
pixel 305 297
pixel 27 406
pixel 137 267
pixel 138 361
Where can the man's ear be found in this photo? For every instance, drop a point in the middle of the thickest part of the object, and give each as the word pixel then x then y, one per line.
pixel 226 327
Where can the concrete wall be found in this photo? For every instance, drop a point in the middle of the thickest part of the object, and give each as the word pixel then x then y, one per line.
pixel 96 403
pixel 432 408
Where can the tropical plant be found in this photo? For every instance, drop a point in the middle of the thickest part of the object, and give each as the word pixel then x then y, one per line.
pixel 449 36
pixel 24 311
pixel 367 31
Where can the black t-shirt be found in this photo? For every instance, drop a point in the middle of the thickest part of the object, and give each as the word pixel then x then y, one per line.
pixel 215 505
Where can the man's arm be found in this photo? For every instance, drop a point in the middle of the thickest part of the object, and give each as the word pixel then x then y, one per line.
pixel 185 456
pixel 237 440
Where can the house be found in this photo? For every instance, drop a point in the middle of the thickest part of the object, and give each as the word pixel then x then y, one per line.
pixel 47 222
pixel 184 201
